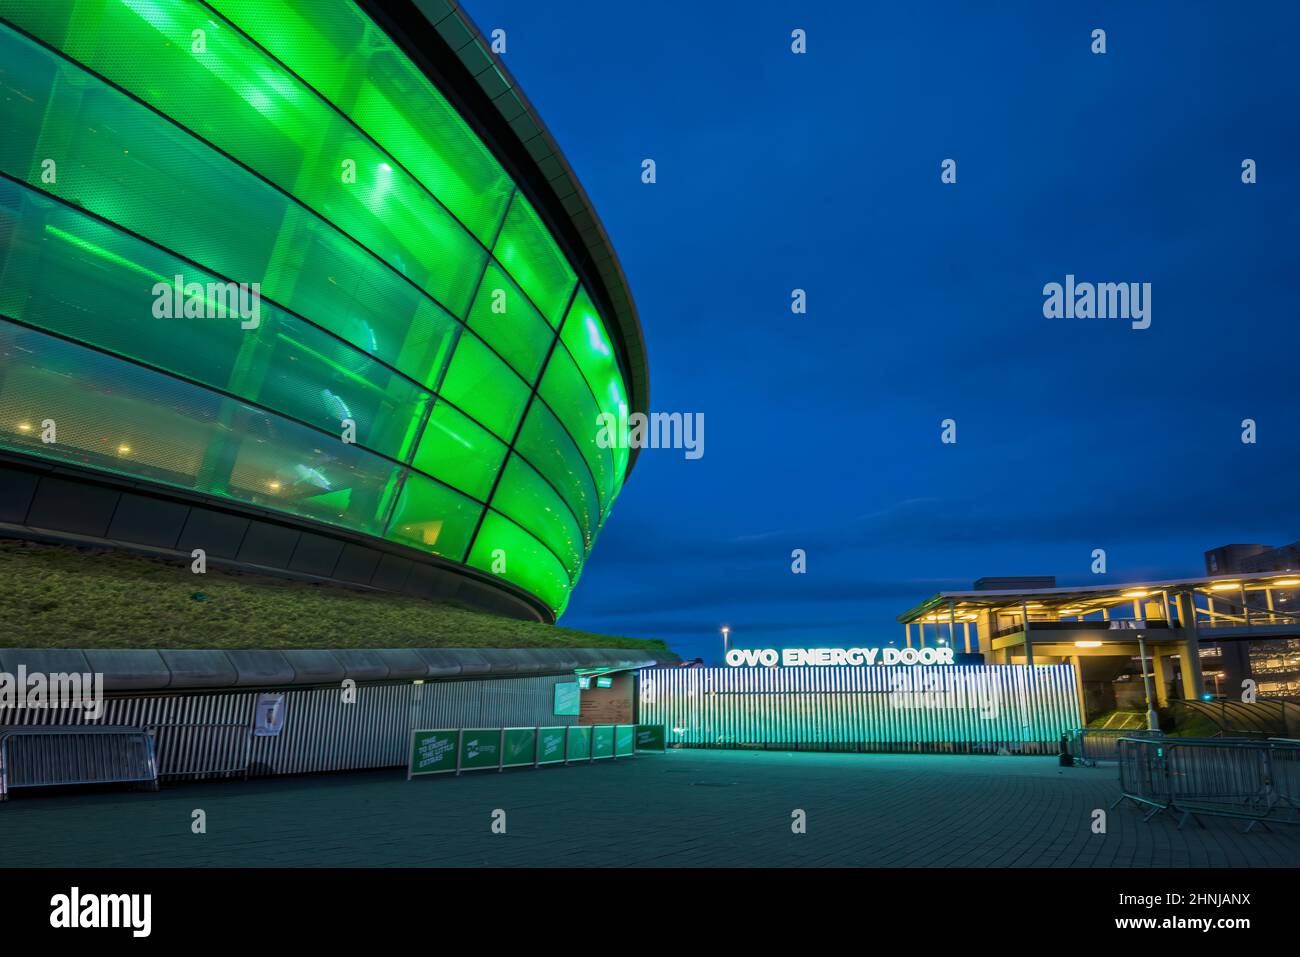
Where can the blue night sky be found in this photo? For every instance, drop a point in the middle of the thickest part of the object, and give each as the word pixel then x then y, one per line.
pixel 925 302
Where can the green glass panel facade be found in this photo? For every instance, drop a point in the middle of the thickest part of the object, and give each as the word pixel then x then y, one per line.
pixel 481 384
pixel 459 452
pixel 133 168
pixel 336 49
pixel 566 392
pixel 63 271
pixel 549 448
pixel 118 417
pixel 433 518
pixel 527 498
pixel 295 156
pixel 252 108
pixel 589 346
pixel 527 562
pixel 529 254
pixel 505 319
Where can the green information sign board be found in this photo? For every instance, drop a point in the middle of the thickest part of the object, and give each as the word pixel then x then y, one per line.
pixel 480 748
pixel 519 747
pixel 450 749
pixel 568 698
pixel 624 740
pixel 579 743
pixel 550 745
pixel 432 752
pixel 651 737
pixel 602 741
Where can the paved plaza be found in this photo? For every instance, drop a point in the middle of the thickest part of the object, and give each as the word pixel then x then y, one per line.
pixel 684 808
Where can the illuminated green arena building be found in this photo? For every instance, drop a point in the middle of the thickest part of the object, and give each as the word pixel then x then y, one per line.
pixel 308 286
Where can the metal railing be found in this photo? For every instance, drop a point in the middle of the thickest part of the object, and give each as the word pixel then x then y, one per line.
pixel 1256 781
pixel 1092 624
pixel 1264 718
pixel 1087 746
pixel 1229 612
pixel 44 756
pixel 1241 614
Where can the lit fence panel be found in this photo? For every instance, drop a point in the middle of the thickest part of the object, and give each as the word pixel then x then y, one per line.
pixel 963 709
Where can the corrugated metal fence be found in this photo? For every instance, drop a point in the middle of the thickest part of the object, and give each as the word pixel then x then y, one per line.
pixel 204 735
pixel 953 709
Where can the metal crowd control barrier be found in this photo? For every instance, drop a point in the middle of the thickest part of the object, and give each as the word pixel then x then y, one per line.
pixel 440 750
pixel 1087 746
pixel 1256 781
pixel 39 756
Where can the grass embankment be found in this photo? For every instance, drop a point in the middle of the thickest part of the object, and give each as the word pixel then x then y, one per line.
pixel 54 596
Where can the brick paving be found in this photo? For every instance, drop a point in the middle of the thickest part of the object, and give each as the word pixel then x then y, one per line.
pixel 684 808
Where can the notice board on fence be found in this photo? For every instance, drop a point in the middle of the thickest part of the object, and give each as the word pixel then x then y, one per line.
pixel 434 751
pixel 579 743
pixel 480 748
pixel 602 741
pixel 568 698
pixel 268 716
pixel 651 737
pixel 624 740
pixel 519 747
pixel 550 745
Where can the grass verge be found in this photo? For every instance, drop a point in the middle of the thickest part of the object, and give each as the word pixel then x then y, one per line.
pixel 56 596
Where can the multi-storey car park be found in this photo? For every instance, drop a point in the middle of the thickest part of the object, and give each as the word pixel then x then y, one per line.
pixel 433 317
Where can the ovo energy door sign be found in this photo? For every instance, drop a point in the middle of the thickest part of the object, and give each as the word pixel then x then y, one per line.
pixel 799 657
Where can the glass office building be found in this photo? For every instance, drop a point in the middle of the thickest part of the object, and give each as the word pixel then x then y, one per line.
pixel 317 260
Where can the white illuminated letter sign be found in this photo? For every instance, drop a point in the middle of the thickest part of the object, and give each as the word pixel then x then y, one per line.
pixel 829 657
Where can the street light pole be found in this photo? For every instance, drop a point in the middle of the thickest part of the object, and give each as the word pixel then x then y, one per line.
pixel 726 646
pixel 1153 720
